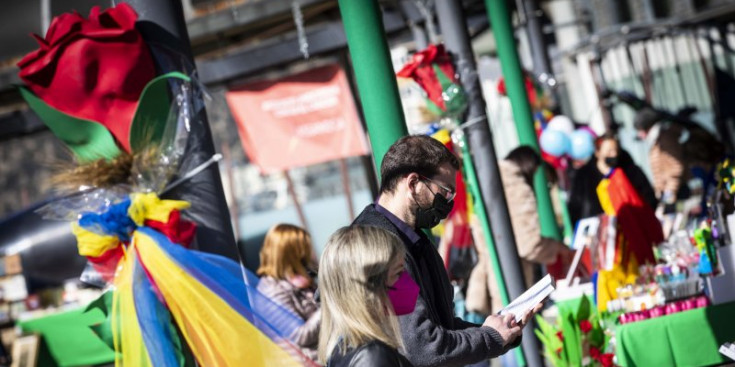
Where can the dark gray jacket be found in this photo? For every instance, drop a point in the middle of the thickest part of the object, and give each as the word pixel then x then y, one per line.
pixel 431 334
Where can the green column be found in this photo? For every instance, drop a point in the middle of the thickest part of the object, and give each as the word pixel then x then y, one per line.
pixel 500 22
pixel 376 80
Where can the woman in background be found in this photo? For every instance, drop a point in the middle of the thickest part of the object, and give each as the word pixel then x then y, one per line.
pixel 516 172
pixel 363 287
pixel 583 200
pixel 284 263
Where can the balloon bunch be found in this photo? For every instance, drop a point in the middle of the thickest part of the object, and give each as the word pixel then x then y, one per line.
pixel 559 139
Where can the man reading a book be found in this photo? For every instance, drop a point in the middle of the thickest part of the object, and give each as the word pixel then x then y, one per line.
pixel 417 191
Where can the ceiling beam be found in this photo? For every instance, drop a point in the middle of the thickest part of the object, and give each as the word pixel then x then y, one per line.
pixel 322 38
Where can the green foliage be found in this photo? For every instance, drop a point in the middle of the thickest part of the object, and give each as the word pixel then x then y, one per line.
pixel 572 339
pixel 548 336
pixel 575 344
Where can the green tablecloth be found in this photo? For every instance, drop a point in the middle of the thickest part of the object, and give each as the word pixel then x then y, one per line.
pixel 69 339
pixel 690 338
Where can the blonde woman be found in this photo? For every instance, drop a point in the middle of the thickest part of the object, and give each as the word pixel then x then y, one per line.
pixel 284 258
pixel 364 285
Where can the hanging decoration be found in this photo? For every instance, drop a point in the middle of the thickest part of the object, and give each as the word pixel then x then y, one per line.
pixel 93 82
pixel 557 135
pixel 298 19
pixel 432 69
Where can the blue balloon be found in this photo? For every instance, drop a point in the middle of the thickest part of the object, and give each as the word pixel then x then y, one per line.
pixel 582 145
pixel 554 142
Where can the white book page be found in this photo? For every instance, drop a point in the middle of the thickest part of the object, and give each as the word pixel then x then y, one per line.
pixel 529 299
pixel 728 349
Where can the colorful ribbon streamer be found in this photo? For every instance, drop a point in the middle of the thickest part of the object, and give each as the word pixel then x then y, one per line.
pixel 172 305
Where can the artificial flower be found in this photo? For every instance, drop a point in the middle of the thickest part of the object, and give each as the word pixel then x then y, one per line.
pixel 93 69
pixel 585 326
pixel 606 360
pixel 594 353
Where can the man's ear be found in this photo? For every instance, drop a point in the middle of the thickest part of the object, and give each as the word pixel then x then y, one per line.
pixel 411 181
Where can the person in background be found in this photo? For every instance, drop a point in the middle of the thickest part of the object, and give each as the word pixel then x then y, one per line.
pixel 667 154
pixel 680 150
pixel 516 172
pixel 583 200
pixel 363 286
pixel 284 262
pixel 416 192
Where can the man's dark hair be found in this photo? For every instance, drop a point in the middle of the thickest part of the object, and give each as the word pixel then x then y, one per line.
pixel 414 153
pixel 526 159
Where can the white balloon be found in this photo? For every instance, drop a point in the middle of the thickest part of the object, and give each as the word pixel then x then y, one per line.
pixel 561 123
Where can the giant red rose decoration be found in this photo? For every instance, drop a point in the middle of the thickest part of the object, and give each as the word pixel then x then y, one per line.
pixel 93 69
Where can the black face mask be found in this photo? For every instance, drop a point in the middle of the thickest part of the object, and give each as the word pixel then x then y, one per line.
pixel 429 218
pixel 612 161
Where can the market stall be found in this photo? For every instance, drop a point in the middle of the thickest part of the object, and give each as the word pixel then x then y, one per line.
pixel 650 301
pixel 690 338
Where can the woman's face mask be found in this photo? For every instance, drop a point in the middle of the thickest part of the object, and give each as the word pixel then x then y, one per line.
pixel 403 294
pixel 612 161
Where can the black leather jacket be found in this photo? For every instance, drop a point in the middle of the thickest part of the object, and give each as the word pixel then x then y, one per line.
pixel 372 354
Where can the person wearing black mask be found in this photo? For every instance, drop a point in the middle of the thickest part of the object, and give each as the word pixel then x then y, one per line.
pixel 583 200
pixel 416 192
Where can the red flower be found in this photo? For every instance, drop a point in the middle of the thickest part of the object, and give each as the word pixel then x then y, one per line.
pixel 558 351
pixel 93 69
pixel 585 326
pixel 560 335
pixel 594 353
pixel 606 360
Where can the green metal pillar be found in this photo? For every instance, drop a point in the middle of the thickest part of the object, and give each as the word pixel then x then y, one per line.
pixel 376 80
pixel 500 22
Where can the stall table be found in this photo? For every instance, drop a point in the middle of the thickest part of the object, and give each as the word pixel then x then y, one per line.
pixel 69 339
pixel 689 338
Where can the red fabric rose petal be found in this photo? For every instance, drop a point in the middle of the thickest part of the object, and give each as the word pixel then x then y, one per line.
pixel 93 69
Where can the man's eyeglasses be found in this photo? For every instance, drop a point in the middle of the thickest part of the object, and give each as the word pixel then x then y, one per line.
pixel 447 192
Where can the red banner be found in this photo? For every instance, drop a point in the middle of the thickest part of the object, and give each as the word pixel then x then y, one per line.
pixel 302 119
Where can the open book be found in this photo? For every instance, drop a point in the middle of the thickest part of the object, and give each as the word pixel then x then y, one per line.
pixel 529 299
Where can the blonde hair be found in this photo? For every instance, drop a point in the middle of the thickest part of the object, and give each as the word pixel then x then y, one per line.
pixel 353 271
pixel 285 251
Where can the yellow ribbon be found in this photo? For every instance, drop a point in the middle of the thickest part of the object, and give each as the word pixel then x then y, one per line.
pixel 93 244
pixel 149 206
pixel 217 339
